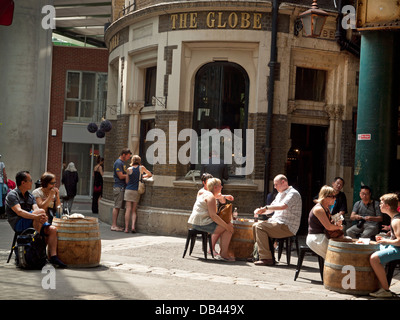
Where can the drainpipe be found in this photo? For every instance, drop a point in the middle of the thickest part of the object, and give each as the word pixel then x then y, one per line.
pixel 340 34
pixel 271 87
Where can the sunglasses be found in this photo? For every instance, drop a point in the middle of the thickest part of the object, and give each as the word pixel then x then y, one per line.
pixel 331 197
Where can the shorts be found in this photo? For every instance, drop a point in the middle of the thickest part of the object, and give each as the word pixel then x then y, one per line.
pixel 118 194
pixel 23 224
pixel 210 228
pixel 388 253
pixel 132 195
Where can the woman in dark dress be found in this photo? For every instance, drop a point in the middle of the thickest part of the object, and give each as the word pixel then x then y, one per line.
pixel 97 184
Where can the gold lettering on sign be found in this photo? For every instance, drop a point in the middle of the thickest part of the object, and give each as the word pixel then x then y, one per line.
pixel 216 20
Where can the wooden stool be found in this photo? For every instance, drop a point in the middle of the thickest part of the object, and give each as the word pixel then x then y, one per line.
pixel 191 237
pixel 302 252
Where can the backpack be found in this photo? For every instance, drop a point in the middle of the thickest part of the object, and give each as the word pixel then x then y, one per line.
pixel 30 250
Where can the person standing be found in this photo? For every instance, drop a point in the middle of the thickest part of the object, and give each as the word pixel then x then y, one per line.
pixel 340 206
pixel 3 182
pixel 119 172
pixel 284 223
pixel 131 196
pixel 97 184
pixel 70 180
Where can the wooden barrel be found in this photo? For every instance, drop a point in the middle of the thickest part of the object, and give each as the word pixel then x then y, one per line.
pixel 78 242
pixel 242 242
pixel 346 258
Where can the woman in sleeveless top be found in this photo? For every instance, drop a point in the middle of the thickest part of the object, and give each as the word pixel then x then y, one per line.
pixel 131 195
pixel 389 248
pixel 204 217
pixel 319 220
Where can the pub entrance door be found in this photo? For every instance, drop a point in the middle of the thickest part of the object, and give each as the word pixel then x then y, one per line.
pixel 306 165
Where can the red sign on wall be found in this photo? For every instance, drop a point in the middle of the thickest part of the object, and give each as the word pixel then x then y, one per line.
pixel 364 136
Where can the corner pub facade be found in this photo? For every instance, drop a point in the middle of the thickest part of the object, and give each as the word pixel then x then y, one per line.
pixel 196 65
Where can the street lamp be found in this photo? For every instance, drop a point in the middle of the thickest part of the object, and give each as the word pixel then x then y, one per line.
pixel 313 20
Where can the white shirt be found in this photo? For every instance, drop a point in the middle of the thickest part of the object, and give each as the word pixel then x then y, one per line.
pixel 292 215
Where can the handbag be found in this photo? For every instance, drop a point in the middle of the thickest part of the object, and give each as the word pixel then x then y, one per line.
pixel 141 186
pixel 62 191
pixel 225 212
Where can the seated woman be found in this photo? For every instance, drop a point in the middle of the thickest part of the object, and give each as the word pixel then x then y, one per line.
pixel 47 196
pixel 319 222
pixel 204 217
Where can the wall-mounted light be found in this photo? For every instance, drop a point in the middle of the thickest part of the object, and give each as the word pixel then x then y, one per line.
pixel 313 20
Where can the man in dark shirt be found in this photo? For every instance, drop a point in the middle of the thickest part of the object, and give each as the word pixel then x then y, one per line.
pixel 340 205
pixel 23 212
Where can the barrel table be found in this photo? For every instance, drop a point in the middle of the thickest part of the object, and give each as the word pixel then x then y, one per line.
pixel 78 241
pixel 242 242
pixel 347 268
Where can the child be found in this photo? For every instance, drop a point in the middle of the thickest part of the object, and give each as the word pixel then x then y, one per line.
pixel 390 248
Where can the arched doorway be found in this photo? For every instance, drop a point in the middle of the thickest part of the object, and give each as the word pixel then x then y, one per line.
pixel 221 100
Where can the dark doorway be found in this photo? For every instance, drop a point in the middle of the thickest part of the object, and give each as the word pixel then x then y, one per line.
pixel 306 165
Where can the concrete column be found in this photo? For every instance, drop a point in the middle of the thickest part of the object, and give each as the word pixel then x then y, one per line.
pixel 25 64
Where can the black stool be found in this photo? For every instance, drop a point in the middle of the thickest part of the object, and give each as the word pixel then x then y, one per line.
pixel 390 266
pixel 16 234
pixel 302 252
pixel 288 243
pixel 192 235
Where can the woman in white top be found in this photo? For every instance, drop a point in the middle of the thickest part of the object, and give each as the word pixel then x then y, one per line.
pixel 204 217
pixel 47 196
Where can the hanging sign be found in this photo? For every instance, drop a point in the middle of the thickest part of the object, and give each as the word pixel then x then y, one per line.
pixel 364 136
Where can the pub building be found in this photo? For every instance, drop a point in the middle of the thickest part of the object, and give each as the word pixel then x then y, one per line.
pixel 181 67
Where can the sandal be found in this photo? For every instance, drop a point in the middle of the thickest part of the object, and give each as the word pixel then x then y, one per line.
pixel 117 229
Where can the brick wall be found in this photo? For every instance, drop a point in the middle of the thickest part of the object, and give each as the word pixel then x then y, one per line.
pixel 67 58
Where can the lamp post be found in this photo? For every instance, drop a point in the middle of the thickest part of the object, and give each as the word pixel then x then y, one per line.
pixel 313 20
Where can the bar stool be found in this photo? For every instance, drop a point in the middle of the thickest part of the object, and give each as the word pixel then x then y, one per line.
pixel 16 234
pixel 191 237
pixel 288 244
pixel 390 266
pixel 302 252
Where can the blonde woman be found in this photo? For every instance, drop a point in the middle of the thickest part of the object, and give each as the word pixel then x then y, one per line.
pixel 319 221
pixel 204 218
pixel 131 195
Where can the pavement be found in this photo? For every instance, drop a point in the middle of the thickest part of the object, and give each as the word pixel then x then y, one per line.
pixel 150 267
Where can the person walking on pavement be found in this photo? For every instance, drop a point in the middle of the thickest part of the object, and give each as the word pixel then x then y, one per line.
pixel 70 180
pixel 119 186
pixel 284 223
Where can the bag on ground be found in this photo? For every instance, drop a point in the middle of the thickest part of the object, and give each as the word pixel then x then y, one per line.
pixel 30 250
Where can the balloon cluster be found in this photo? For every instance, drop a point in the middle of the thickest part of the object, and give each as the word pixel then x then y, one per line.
pixel 105 126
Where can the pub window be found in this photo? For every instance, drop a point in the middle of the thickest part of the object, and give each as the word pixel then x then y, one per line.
pixel 221 102
pixel 310 84
pixel 150 85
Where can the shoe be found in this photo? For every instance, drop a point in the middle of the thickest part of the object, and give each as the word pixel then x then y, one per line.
pixel 382 293
pixel 264 262
pixel 117 229
pixel 230 259
pixel 133 231
pixel 55 261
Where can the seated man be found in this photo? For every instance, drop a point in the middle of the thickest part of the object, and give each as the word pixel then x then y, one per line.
pixel 23 212
pixel 284 223
pixel 367 214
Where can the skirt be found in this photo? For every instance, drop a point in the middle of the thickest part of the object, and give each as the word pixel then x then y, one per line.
pixel 131 195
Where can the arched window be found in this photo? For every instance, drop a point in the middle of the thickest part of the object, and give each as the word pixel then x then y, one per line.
pixel 221 102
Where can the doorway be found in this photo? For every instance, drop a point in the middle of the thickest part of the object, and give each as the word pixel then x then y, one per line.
pixel 306 165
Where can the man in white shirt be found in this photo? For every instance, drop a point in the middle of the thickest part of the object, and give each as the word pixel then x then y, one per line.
pixel 284 223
